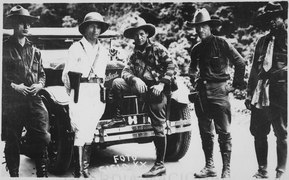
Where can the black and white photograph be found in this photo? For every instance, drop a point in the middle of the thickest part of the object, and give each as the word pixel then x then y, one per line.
pixel 144 89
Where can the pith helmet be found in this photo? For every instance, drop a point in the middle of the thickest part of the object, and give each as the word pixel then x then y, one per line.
pixel 93 17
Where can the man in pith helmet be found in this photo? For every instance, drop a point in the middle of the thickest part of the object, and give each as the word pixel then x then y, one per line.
pixel 83 77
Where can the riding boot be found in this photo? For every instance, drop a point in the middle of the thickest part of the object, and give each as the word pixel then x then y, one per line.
pixel 159 168
pixel 12 164
pixel 12 157
pixel 86 153
pixel 77 154
pixel 226 157
pixel 226 148
pixel 209 169
pixel 261 149
pixel 42 163
pixel 118 120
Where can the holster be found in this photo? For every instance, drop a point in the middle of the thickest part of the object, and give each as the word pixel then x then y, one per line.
pixel 102 93
pixel 74 78
pixel 202 95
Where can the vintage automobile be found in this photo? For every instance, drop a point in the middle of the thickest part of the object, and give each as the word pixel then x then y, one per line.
pixel 54 43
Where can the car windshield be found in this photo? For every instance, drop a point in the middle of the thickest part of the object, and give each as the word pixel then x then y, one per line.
pixel 54 43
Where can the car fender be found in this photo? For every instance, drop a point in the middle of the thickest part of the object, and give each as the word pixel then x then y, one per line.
pixel 181 95
pixel 56 95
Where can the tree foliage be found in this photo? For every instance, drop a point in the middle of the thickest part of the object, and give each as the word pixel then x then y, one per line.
pixel 238 25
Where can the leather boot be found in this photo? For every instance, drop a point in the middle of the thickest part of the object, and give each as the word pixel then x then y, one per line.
pixel 279 175
pixel 226 157
pixel 226 148
pixel 42 163
pixel 118 120
pixel 209 169
pixel 12 161
pixel 12 164
pixel 14 173
pixel 261 173
pixel 159 168
pixel 77 154
pixel 86 153
pixel 261 150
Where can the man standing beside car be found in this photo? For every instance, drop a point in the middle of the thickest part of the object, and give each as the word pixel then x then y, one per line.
pixel 209 63
pixel 267 89
pixel 149 72
pixel 83 77
pixel 23 78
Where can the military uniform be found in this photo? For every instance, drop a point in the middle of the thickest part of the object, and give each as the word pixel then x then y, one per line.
pixel 210 59
pixel 23 111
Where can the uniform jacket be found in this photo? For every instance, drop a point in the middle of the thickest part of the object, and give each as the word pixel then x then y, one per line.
pixel 211 57
pixel 18 66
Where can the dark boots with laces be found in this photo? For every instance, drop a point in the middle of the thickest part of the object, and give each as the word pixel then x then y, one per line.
pixel 261 173
pixel 226 157
pixel 118 120
pixel 41 163
pixel 159 168
pixel 209 169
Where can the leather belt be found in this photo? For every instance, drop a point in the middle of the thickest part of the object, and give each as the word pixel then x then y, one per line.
pixel 91 80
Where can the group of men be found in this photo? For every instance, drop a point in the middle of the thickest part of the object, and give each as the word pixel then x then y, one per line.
pixel 150 71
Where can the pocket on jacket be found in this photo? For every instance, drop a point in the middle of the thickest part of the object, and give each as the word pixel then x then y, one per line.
pixel 35 65
pixel 217 64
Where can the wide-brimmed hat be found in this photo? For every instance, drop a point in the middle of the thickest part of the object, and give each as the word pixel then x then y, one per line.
pixel 140 23
pixel 19 13
pixel 202 16
pixel 93 17
pixel 271 10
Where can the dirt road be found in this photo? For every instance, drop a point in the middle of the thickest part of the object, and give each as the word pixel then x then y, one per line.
pixel 129 161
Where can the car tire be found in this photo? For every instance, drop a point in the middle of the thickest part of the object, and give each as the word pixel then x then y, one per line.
pixel 178 144
pixel 60 148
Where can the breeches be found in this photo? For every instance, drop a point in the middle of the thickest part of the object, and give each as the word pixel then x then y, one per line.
pixel 28 112
pixel 156 110
pixel 218 110
pixel 261 120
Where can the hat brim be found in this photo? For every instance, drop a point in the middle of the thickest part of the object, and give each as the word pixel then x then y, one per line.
pixel 149 28
pixel 269 15
pixel 10 20
pixel 212 22
pixel 103 26
pixel 27 18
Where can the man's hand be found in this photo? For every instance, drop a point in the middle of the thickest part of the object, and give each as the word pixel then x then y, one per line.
pixel 157 89
pixel 248 103
pixel 21 88
pixel 34 88
pixel 140 85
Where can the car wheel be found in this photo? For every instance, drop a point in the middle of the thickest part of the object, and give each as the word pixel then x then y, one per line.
pixel 178 144
pixel 60 148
